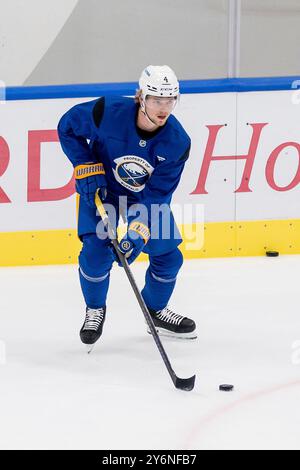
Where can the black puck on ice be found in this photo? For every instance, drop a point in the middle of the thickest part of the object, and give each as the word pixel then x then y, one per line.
pixel 226 388
pixel 272 254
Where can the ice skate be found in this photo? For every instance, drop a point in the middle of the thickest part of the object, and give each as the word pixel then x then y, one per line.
pixel 172 325
pixel 92 328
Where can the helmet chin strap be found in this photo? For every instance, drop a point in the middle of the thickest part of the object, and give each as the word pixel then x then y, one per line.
pixel 143 109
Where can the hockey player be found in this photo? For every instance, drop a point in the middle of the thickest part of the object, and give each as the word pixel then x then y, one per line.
pixel 134 148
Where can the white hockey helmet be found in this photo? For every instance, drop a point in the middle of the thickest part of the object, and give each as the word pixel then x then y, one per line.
pixel 158 80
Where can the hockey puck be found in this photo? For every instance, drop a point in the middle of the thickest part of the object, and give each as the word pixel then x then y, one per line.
pixel 272 254
pixel 226 388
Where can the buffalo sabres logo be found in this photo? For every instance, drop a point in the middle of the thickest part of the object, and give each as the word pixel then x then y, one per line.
pixel 125 245
pixel 132 172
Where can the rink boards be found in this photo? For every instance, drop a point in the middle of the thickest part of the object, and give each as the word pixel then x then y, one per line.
pixel 239 194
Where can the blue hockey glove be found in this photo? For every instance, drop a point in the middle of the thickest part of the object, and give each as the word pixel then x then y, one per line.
pixel 133 242
pixel 88 178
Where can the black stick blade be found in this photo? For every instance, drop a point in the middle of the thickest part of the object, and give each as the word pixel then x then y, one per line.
pixel 185 384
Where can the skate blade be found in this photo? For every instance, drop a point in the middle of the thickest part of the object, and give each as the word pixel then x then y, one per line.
pixel 89 348
pixel 170 334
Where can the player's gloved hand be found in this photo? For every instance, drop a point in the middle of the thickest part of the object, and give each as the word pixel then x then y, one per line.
pixel 133 241
pixel 88 178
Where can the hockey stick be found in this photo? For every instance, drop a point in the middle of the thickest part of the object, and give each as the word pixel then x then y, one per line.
pixel 182 384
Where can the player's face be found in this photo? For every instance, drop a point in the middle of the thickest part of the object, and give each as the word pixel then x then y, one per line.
pixel 159 109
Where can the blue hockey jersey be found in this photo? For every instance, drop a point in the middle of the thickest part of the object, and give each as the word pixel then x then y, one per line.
pixel 146 167
pixel 136 167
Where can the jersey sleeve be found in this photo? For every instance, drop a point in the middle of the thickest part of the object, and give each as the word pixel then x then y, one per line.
pixel 76 129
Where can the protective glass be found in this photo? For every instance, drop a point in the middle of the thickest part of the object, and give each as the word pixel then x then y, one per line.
pixel 161 103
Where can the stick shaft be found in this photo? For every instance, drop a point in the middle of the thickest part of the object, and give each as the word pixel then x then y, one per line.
pixel 144 308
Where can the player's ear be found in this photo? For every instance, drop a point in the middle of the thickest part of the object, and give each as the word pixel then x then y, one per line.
pixel 142 103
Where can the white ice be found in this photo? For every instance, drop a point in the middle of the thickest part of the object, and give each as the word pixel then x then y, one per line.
pixel 55 396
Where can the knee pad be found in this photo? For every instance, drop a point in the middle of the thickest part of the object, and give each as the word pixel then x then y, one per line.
pixel 95 259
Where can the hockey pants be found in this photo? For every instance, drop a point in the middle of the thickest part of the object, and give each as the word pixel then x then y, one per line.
pixel 95 263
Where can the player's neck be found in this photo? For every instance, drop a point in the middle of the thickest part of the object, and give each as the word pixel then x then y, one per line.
pixel 144 123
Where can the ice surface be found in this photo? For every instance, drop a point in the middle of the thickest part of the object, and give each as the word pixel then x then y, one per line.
pixel 53 395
